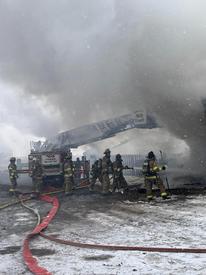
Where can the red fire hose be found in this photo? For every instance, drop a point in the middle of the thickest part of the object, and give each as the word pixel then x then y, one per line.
pixel 125 248
pixel 30 261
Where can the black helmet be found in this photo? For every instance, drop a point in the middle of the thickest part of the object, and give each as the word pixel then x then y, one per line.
pixel 12 159
pixel 68 155
pixel 107 151
pixel 151 155
pixel 118 156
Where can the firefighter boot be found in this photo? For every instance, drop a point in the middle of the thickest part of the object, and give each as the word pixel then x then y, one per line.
pixel 164 196
pixel 12 191
pixel 149 198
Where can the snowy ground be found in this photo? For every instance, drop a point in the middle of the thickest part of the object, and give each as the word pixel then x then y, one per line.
pixel 179 222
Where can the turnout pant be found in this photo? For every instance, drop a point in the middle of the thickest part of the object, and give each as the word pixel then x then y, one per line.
pixel 68 183
pixel 105 183
pixel 118 183
pixel 13 183
pixel 158 182
pixel 37 182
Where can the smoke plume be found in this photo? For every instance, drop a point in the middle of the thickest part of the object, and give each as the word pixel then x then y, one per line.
pixel 93 59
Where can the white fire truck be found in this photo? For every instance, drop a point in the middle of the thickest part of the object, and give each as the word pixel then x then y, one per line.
pixel 52 164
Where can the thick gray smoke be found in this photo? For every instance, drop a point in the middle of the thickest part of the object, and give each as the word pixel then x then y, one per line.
pixel 96 59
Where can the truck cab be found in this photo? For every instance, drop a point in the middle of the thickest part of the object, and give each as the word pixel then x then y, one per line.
pixel 52 165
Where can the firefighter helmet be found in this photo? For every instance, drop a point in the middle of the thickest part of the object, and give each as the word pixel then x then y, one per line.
pixel 107 151
pixel 12 159
pixel 68 156
pixel 118 157
pixel 151 155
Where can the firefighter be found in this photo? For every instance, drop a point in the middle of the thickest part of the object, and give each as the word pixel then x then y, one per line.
pixel 68 169
pixel 37 175
pixel 151 171
pixel 107 168
pixel 100 170
pixel 77 169
pixel 118 177
pixel 95 173
pixel 33 162
pixel 13 174
pixel 87 168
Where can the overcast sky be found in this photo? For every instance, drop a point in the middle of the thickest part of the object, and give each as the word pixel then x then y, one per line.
pixel 70 62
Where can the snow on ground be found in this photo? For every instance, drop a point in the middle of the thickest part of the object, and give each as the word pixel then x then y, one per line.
pixel 179 222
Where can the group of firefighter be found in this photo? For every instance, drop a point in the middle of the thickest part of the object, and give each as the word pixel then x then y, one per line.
pixel 103 170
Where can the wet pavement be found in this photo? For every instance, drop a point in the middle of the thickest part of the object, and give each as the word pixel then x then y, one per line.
pixel 93 218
